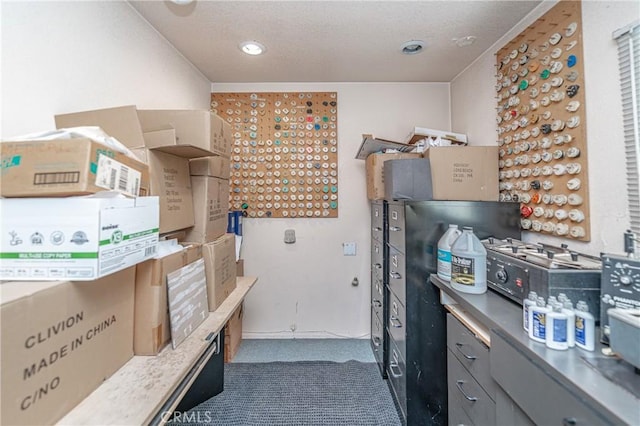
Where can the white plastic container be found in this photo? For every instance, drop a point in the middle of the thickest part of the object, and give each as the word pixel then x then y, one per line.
pixel 556 329
pixel 571 322
pixel 468 263
pixel 538 321
pixel 526 305
pixel 444 251
pixel 585 327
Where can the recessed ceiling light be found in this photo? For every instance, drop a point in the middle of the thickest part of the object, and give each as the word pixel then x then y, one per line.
pixel 465 41
pixel 181 2
pixel 412 47
pixel 252 47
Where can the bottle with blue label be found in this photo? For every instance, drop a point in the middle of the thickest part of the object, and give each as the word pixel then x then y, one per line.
pixel 585 327
pixel 538 321
pixel 526 305
pixel 468 263
pixel 556 328
pixel 567 308
pixel 444 251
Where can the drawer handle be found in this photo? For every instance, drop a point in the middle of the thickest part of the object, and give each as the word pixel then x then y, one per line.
pixel 392 367
pixel 395 228
pixel 376 229
pixel 569 421
pixel 469 357
pixel 377 265
pixel 459 384
pixel 376 303
pixel 395 275
pixel 395 322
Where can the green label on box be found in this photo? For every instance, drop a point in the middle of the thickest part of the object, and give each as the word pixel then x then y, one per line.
pixel 49 255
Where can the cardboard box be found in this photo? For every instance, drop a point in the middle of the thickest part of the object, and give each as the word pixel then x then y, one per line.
pixel 195 128
pixel 75 238
pixel 68 167
pixel 60 341
pixel 119 122
pixel 171 182
pixel 152 330
pixel 240 268
pixel 217 166
pixel 210 205
pixel 375 172
pixel 187 295
pixel 464 173
pixel 220 267
pixel 233 334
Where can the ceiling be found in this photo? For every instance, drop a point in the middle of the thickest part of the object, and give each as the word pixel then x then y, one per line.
pixel 332 41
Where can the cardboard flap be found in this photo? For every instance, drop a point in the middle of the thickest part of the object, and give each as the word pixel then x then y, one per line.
pixel 370 145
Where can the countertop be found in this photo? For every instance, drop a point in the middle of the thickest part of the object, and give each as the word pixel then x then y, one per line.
pixel 574 367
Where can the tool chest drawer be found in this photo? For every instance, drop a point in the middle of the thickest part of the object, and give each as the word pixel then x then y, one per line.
pixel 471 352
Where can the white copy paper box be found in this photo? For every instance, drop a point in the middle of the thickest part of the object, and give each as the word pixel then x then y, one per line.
pixel 76 238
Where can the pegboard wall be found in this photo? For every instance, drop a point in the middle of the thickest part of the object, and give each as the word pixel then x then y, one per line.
pixel 542 124
pixel 284 161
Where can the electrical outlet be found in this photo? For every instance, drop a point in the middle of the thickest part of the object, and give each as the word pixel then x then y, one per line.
pixel 289 236
pixel 349 249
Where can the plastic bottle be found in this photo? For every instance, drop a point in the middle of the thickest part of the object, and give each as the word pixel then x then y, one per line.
pixel 551 300
pixel 444 251
pixel 585 327
pixel 567 308
pixel 556 329
pixel 526 305
pixel 562 297
pixel 468 263
pixel 538 320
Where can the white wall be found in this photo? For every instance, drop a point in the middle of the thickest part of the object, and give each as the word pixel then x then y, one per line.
pixel 473 112
pixel 71 56
pixel 308 284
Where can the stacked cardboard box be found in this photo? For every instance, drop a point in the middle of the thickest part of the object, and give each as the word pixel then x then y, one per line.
pixel 61 340
pixel 464 173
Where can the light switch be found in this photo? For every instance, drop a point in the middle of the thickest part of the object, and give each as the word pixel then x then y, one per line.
pixel 349 249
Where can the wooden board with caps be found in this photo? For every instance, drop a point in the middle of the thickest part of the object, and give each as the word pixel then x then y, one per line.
pixel 284 160
pixel 542 124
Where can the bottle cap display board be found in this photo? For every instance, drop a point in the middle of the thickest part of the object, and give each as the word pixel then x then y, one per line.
pixel 284 160
pixel 542 124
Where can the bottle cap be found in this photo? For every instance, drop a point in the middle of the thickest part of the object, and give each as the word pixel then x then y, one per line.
pixel 467 228
pixel 582 306
pixel 567 304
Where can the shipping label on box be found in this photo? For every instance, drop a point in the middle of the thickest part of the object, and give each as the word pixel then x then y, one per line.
pixel 60 341
pixel 75 238
pixel 66 167
pixel 188 307
pixel 211 206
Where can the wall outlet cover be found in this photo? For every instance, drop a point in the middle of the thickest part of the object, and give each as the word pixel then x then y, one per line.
pixel 289 236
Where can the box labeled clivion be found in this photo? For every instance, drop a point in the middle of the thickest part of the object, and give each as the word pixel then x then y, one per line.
pixel 464 173
pixel 171 182
pixel 151 326
pixel 375 172
pixel 220 267
pixel 60 341
pixel 75 238
pixel 198 129
pixel 211 204
pixel 65 167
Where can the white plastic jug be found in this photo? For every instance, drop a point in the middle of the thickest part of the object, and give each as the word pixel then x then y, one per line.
pixel 468 263
pixel 444 251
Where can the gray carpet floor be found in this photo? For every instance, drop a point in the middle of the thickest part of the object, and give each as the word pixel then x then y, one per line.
pixel 325 393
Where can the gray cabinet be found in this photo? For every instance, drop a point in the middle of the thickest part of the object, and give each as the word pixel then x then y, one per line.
pixel 543 397
pixel 470 388
pixel 379 341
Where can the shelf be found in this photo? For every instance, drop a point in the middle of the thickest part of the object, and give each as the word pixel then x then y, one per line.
pixel 135 393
